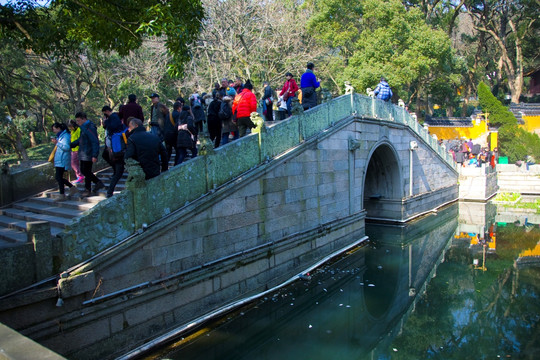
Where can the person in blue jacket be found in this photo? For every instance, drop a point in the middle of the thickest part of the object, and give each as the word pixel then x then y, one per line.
pixel 383 91
pixel 62 159
pixel 88 144
pixel 308 84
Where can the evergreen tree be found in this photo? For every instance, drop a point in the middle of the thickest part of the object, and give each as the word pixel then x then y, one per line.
pixel 514 142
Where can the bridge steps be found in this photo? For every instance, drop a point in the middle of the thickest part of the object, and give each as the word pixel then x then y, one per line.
pixel 44 207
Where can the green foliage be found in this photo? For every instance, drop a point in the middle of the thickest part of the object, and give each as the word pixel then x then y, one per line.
pixel 383 38
pixel 37 153
pixel 507 197
pixel 63 25
pixel 514 142
pixel 499 115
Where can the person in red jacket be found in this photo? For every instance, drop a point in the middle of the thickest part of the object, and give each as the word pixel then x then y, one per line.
pixel 244 104
pixel 289 91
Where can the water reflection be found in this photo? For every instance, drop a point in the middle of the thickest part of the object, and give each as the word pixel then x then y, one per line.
pixel 448 286
pixel 478 308
pixel 347 308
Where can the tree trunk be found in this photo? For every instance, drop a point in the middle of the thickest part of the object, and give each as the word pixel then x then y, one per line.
pixel 33 142
pixel 19 147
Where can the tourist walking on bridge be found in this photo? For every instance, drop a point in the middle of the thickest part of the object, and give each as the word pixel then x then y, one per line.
pixel 309 84
pixel 147 149
pixel 214 122
pixel 383 90
pixel 131 109
pixel 267 102
pixel 227 125
pixel 88 144
pixel 244 104
pixel 113 125
pixel 158 116
pixel 75 133
pixel 186 139
pixel 62 159
pixel 288 92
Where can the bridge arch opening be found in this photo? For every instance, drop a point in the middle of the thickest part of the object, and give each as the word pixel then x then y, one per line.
pixel 382 183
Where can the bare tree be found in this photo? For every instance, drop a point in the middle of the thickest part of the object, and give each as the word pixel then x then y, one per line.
pixel 259 40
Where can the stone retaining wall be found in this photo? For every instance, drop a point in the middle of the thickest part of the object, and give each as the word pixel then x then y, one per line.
pixel 477 183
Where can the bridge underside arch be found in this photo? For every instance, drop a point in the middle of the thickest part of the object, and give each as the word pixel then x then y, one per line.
pixel 383 184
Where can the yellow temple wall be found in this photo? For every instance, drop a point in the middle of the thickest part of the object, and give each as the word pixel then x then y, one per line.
pixel 532 124
pixel 451 133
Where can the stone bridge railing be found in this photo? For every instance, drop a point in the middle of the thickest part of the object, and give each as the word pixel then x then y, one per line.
pixel 145 202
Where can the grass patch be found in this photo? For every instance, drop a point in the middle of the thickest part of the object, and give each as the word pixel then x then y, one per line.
pixel 507 197
pixel 514 201
pixel 37 153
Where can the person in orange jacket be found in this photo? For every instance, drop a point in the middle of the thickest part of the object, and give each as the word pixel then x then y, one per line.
pixel 244 104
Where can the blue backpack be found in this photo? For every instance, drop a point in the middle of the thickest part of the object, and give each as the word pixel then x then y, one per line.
pixel 119 143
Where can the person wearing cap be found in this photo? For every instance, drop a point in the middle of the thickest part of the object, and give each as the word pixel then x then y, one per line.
pixel 288 91
pixel 244 104
pixel 130 109
pixel 308 84
pixel 158 115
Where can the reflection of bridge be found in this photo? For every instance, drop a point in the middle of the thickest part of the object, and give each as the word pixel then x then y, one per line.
pixel 349 306
pixel 244 217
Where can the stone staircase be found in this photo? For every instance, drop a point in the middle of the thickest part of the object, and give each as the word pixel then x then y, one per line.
pixel 43 207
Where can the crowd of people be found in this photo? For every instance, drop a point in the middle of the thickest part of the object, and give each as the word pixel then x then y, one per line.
pixel 466 153
pixel 226 111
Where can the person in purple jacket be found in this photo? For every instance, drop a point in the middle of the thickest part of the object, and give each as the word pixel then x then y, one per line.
pixel 308 84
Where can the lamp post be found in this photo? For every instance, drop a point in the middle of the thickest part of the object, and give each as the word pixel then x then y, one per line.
pixel 413 145
pixel 475 261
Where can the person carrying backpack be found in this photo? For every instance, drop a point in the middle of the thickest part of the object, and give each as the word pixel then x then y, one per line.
pixel 187 137
pixel 114 149
pixel 383 91
pixel 117 151
pixel 198 112
pixel 227 125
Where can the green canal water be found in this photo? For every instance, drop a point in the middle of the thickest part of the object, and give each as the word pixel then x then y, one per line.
pixel 461 284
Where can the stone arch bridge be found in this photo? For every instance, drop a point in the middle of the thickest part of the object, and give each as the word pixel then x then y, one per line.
pixel 237 221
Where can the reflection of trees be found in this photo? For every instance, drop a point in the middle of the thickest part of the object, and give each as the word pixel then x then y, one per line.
pixel 467 313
